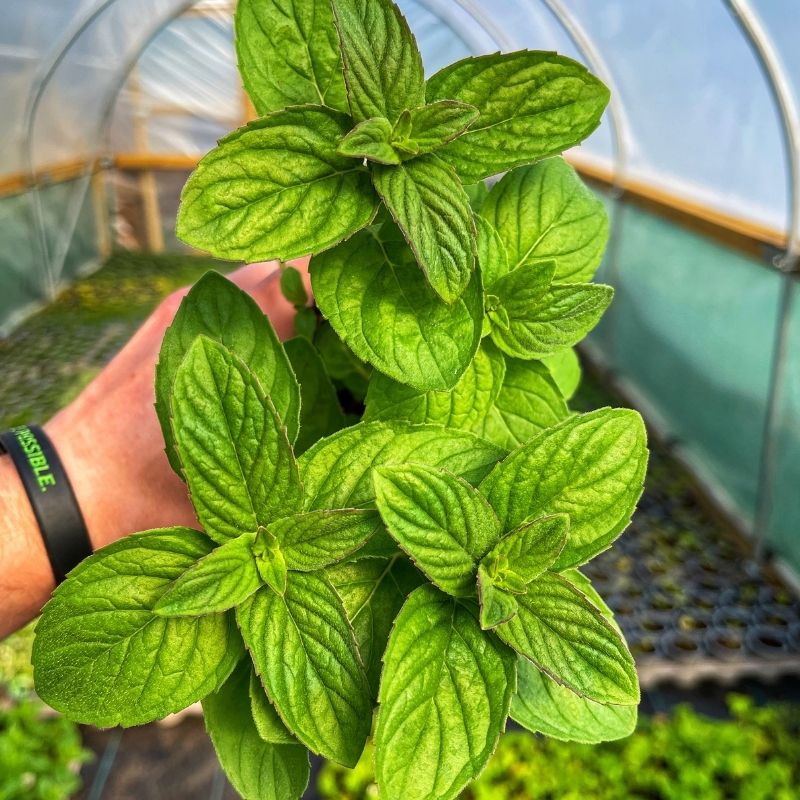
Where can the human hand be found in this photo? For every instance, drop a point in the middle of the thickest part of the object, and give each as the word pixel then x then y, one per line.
pixel 110 443
pixel 109 438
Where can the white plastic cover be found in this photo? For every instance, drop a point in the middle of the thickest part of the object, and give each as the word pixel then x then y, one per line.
pixel 702 121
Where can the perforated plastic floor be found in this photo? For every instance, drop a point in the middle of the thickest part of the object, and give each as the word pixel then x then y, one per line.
pixel 690 598
pixel 55 352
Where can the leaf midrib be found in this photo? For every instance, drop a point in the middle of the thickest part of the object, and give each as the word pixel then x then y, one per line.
pixel 244 481
pixel 431 697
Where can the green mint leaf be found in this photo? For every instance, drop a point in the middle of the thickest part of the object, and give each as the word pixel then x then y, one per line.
pixel 289 54
pixel 545 212
pixel 581 582
pixel 584 585
pixel 316 539
pixel 254 767
pixel 270 561
pixel 305 323
pixel 492 256
pixel 380 304
pixel 380 546
pixel 444 697
pixel 531 104
pixel 341 363
pixel 560 318
pixel 526 552
pixel 305 653
pixel 219 309
pixel 425 129
pixel 219 581
pixel 496 314
pixel 102 657
pixel 370 139
pixel 528 402
pixel 497 605
pixel 564 635
pixel 444 524
pixel 565 369
pixel 522 287
pixel 277 189
pixel 429 204
pixel 382 66
pixel 505 400
pixel 465 406
pixel 399 136
pixel 601 458
pixel 337 472
pixel 402 128
pixel 236 458
pixel 292 287
pixel 477 193
pixel 320 412
pixel 269 725
pixel 373 590
pixel 542 706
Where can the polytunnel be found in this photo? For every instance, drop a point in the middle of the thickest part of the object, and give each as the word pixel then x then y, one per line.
pixel 108 104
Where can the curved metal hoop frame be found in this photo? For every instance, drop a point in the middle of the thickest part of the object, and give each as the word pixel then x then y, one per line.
pixel 769 61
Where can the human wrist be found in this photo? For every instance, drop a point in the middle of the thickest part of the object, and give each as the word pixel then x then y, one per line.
pixel 117 465
pixel 68 435
pixel 26 578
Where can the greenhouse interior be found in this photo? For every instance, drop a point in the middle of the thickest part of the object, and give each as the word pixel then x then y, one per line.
pixel 109 106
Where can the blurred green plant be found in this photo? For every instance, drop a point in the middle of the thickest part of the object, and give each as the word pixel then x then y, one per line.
pixel 754 755
pixel 16 673
pixel 40 754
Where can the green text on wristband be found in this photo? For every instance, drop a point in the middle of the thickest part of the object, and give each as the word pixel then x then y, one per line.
pixel 39 464
pixel 52 500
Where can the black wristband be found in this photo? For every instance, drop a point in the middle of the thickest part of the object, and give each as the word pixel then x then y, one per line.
pixel 54 505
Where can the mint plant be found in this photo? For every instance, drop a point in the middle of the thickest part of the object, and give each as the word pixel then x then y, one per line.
pixel 393 506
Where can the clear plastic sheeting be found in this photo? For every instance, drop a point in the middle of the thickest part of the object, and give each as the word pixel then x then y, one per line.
pixel 185 90
pixel 30 32
pixel 107 105
pixel 183 93
pixel 703 123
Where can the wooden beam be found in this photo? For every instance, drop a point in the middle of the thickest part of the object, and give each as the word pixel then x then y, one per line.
pixel 102 222
pixel 13 184
pixel 153 227
pixel 212 10
pixel 248 109
pixel 138 162
pixel 18 182
pixel 733 230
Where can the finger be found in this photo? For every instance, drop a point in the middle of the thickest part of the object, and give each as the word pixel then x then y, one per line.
pixel 300 264
pixel 250 275
pixel 279 310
